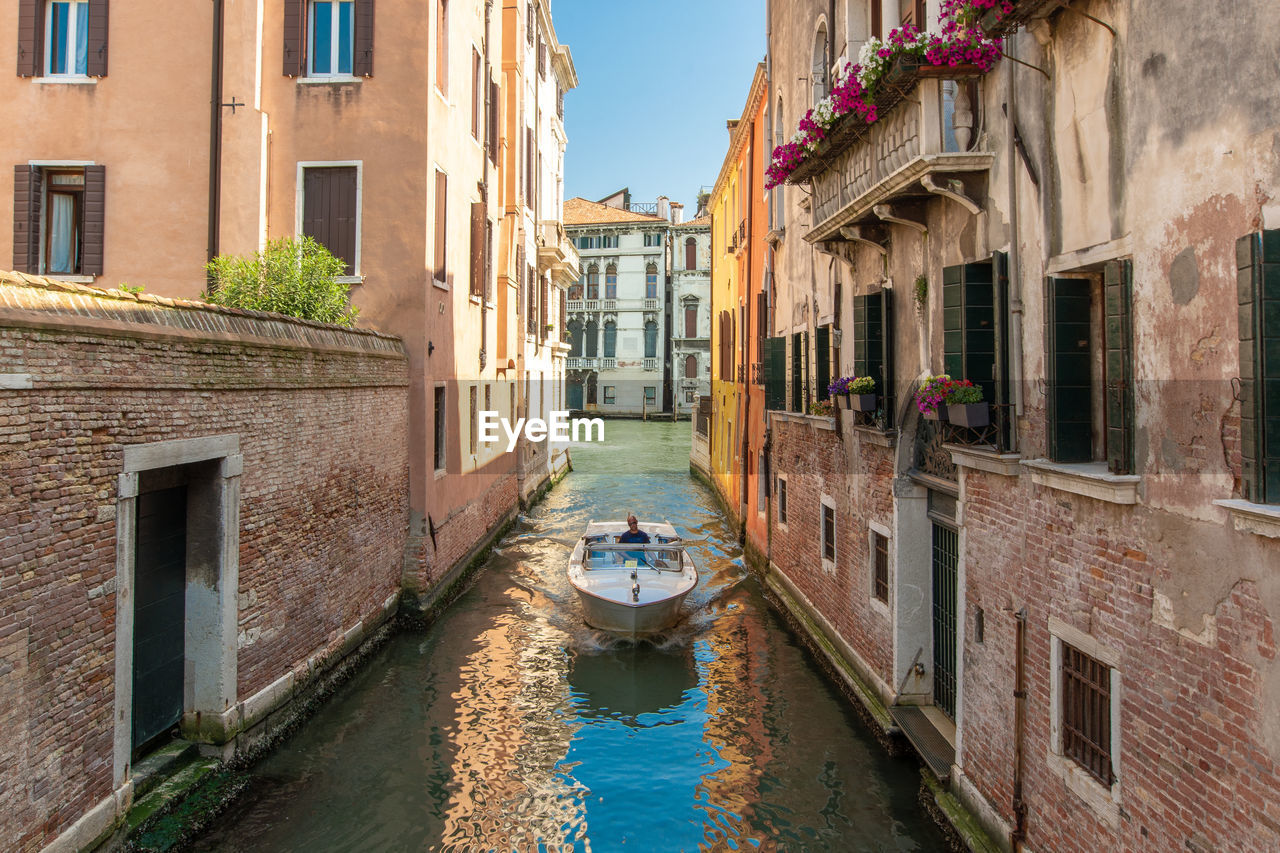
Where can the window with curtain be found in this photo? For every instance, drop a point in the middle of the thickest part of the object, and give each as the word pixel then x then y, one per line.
pixel 575 289
pixel 651 281
pixel 593 282
pixel 67 38
pixel 63 225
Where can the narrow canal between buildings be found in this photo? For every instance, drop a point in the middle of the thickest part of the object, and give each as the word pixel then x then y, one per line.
pixel 510 725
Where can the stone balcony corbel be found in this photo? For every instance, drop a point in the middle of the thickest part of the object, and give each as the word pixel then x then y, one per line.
pixel 867 235
pixel 899 215
pixel 952 188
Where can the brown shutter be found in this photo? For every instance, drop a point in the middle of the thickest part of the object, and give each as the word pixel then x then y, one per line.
pixel 494 117
pixel 362 62
pixel 95 198
pixel 442 196
pixel 329 211
pixel 477 248
pixel 26 218
pixel 528 167
pixel 97 38
pixel 295 37
pixel 544 298
pixel 30 37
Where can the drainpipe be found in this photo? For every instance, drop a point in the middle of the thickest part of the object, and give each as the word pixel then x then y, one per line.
pixel 215 134
pixel 1015 256
pixel 1019 835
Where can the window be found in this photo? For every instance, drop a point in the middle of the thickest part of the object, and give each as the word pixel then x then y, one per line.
pixel 330 46
pixel 1090 400
pixel 442 209
pixel 651 339
pixel 528 22
pixel 592 339
pixel 67 39
pixel 782 499
pixel 689 397
pixel 873 346
pixel 651 281
pixel 479 223
pixel 972 331
pixel 609 241
pixel 589 242
pixel 528 167
pixel 691 254
pixel 762 484
pixel 611 282
pixel 654 239
pixel 1085 702
pixel 593 282
pixel 331 211
pixel 776 196
pixel 879 567
pixel 1258 262
pixel 58 219
pixel 442 46
pixel 690 367
pixel 477 93
pixel 877 20
pixel 442 428
pixel 473 426
pixel 912 13
pixel 609 396
pixel 650 396
pixel 610 339
pixel 691 320
pixel 828 531
pixel 542 59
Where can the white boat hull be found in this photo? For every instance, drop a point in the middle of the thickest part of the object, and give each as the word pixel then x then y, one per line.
pixel 631 589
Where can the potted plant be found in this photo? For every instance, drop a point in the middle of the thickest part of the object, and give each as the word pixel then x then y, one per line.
pixel 930 397
pixel 821 408
pixel 862 394
pixel 839 390
pixel 964 405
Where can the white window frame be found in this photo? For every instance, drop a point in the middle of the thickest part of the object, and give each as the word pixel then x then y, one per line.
pixel 780 484
pixel 884 608
pixel 334 57
pixel 73 36
pixel 298 201
pixel 1104 801
pixel 824 502
pixel 74 278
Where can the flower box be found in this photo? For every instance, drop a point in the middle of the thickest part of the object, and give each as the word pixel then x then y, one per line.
pixel 862 402
pixel 972 415
pixel 939 414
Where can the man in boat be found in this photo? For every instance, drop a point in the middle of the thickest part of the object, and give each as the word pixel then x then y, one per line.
pixel 633 533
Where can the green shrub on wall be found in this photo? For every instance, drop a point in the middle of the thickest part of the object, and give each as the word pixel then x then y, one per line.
pixel 294 276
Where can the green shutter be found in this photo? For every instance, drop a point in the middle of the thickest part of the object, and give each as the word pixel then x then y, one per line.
pixel 1248 269
pixel 775 371
pixel 797 366
pixel 872 345
pixel 969 325
pixel 822 358
pixel 1259 294
pixel 1070 394
pixel 859 336
pixel 1003 391
pixel 884 380
pixel 1117 284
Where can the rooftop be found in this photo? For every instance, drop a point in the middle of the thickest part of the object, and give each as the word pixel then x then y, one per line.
pixel 579 211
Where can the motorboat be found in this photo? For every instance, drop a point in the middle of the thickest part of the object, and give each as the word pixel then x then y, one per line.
pixel 631 588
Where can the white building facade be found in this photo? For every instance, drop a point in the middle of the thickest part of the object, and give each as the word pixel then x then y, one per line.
pixel 690 314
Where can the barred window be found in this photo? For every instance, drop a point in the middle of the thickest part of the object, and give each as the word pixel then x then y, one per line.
pixel 828 532
pixel 782 501
pixel 1086 713
pixel 880 563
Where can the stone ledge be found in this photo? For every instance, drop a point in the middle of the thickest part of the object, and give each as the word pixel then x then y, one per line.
pixel 871 435
pixel 1260 519
pixel 1088 479
pixel 815 421
pixel 979 459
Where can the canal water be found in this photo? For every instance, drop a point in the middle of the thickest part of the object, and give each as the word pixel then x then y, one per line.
pixel 511 725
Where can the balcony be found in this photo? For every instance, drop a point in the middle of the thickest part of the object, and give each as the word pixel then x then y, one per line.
pixel 1024 11
pixel 924 146
pixel 650 364
pixel 608 364
pixel 608 305
pixel 651 305
pixel 556 253
pixel 580 363
pixel 572 305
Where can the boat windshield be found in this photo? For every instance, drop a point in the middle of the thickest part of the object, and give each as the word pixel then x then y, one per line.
pixel 631 557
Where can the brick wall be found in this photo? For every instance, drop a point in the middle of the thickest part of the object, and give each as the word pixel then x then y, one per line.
pixel 321 418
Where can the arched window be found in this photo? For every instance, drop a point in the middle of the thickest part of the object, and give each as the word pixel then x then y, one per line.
pixel 651 283
pixel 690 367
pixel 575 289
pixel 691 254
pixel 575 339
pixel 593 282
pixel 610 339
pixel 821 63
pixel 591 344
pixel 651 339
pixel 611 282
pixel 691 318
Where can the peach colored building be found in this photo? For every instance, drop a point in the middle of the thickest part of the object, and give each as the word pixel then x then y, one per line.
pixel 396 137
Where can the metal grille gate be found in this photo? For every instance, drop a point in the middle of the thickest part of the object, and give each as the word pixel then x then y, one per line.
pixel 945 550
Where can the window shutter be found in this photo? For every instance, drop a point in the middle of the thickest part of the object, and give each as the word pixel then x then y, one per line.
pixel 477 248
pixel 885 378
pixel 362 62
pixel 494 94
pixel 329 211
pixel 30 38
pixel 542 298
pixel 295 37
pixel 1248 270
pixel 691 254
pixel 97 41
pixel 26 218
pixel 822 355
pixel 969 327
pixel 799 355
pixel 442 209
pixel 1258 259
pixel 95 197
pixel 775 371
pixel 1069 409
pixel 1003 397
pixel 1118 362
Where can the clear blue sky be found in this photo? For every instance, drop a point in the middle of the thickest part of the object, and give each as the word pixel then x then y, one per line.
pixel 657 79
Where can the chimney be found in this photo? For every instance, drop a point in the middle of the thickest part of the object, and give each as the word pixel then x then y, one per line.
pixel 677 213
pixel 663 212
pixel 704 198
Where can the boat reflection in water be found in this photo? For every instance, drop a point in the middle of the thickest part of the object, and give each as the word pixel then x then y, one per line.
pixel 626 683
